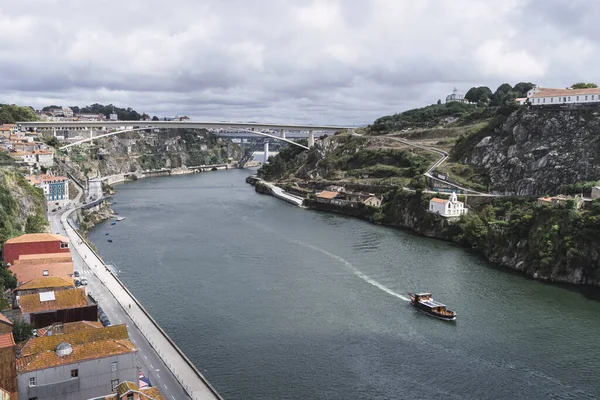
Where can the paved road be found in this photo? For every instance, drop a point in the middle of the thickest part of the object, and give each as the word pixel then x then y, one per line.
pixel 149 361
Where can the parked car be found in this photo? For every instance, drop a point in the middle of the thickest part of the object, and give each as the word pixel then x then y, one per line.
pixel 76 274
pixel 84 281
pixel 102 317
pixel 77 282
pixel 54 210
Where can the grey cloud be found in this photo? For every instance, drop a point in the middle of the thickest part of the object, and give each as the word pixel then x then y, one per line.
pixel 321 61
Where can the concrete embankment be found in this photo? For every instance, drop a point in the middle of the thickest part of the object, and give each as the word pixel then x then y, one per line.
pixel 194 383
pixel 265 187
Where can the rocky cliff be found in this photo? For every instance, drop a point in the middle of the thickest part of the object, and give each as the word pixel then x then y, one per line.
pixel 22 206
pixel 137 151
pixel 537 151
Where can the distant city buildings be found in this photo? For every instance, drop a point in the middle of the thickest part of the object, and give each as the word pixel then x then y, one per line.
pixel 183 118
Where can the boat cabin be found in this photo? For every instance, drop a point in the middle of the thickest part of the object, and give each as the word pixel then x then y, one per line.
pixel 422 296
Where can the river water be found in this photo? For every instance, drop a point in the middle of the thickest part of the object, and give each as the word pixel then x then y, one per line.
pixel 271 301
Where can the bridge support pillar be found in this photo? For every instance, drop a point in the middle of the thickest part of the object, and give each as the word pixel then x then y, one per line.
pixel 266 152
pixel 311 139
pixel 282 134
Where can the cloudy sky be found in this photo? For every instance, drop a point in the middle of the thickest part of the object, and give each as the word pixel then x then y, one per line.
pixel 343 62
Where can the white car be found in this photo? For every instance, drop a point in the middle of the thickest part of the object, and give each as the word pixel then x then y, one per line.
pixel 84 281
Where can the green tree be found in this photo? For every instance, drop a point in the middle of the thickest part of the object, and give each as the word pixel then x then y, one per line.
pixel 583 85
pixel 53 141
pixel 155 118
pixel 8 280
pixel 48 108
pixel 21 330
pixel 481 94
pixel 522 88
pixel 439 101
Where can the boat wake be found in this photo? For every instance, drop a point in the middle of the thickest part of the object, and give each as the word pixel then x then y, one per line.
pixel 346 263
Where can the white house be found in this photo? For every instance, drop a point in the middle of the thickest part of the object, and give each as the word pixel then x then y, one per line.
pixel 372 201
pixel 455 96
pixel 538 96
pixel 447 208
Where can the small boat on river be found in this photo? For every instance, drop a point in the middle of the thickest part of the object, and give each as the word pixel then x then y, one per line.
pixel 423 302
pixel 113 223
pixel 119 218
pixel 109 240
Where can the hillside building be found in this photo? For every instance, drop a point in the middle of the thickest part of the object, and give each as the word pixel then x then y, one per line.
pixel 447 208
pixel 85 364
pixel 56 188
pixel 34 244
pixel 538 96
pixel 455 96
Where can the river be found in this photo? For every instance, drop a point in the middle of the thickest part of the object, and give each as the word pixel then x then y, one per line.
pixel 271 301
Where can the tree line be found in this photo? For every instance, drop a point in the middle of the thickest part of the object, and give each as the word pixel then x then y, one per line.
pixel 506 94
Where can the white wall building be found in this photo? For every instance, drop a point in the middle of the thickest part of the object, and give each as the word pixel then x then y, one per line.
pixel 455 96
pixel 56 188
pixel 543 96
pixel 447 208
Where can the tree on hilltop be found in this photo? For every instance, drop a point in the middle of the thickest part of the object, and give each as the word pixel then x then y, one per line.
pixel 481 94
pixel 522 88
pixel 155 118
pixel 583 85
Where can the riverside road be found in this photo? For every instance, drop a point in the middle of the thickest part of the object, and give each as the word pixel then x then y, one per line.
pixel 274 301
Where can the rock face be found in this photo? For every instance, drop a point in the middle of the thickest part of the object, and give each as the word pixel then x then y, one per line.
pixel 165 149
pixel 537 152
pixel 22 206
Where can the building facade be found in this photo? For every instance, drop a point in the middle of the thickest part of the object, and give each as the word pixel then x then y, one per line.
pixel 539 96
pixel 34 243
pixel 56 188
pixel 447 208
pixel 455 96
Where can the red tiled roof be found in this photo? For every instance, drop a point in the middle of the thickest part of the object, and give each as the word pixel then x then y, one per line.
pixel 4 319
pixel 6 340
pixel 26 272
pixel 326 194
pixel 38 237
pixel 441 201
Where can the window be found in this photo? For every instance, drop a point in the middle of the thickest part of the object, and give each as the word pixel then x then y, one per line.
pixel 64 245
pixel 551 99
pixel 544 100
pixel 538 101
pixel 586 97
pixel 45 273
pixel 113 366
pixel 113 384
pixel 31 382
pixel 74 373
pixel 130 396
pixel 569 98
pixel 577 98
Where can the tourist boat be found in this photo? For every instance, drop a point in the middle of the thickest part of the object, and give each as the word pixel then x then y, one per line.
pixel 109 240
pixel 119 218
pixel 423 302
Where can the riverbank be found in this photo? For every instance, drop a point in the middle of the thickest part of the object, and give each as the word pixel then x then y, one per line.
pixel 519 247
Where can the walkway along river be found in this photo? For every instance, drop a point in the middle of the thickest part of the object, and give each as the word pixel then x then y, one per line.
pixel 277 302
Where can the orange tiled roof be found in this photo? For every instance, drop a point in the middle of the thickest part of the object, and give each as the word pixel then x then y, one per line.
pixel 27 271
pixel 43 258
pixel 81 352
pixel 74 327
pixel 47 282
pixel 37 237
pixel 153 393
pixel 5 320
pixel 6 340
pixel 47 343
pixel 441 201
pixel 326 194
pixel 544 92
pixel 73 298
pixel 127 387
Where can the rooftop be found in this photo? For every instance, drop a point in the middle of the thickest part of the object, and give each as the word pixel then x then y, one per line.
pixel 5 320
pixel 326 194
pixel 129 387
pixel 47 282
pixel 6 340
pixel 39 302
pixel 544 92
pixel 37 237
pixel 27 271
pixel 441 201
pixel 49 343
pixel 37 179
pixel 47 258
pixel 81 352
